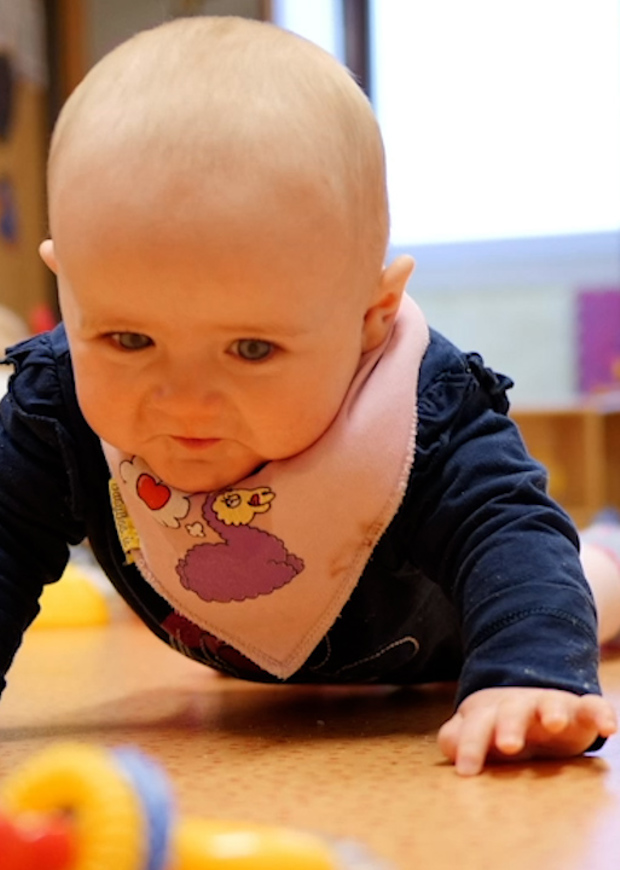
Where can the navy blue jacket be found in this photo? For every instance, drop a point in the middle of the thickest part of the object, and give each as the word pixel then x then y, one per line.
pixel 477 578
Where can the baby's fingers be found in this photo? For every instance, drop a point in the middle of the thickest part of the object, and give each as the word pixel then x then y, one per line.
pixel 597 712
pixel 514 721
pixel 556 711
pixel 520 723
pixel 560 712
pixel 568 724
pixel 466 740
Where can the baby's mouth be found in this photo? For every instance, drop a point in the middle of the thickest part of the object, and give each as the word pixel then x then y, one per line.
pixel 196 443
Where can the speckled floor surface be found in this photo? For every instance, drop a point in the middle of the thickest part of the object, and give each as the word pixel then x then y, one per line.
pixel 358 763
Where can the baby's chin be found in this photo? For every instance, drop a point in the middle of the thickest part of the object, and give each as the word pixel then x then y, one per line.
pixel 196 479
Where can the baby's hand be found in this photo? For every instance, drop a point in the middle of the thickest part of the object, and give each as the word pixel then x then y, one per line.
pixel 521 723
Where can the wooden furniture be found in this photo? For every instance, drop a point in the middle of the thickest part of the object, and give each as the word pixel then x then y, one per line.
pixel 25 283
pixel 66 32
pixel 579 445
pixel 24 280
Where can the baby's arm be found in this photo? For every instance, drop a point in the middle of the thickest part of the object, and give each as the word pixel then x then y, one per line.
pixel 506 556
pixel 41 503
pixel 512 724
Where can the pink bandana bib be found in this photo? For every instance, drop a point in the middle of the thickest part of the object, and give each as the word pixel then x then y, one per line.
pixel 267 565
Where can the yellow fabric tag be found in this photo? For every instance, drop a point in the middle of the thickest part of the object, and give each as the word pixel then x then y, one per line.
pixel 127 532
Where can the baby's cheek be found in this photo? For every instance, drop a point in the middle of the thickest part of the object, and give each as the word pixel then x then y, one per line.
pixel 106 409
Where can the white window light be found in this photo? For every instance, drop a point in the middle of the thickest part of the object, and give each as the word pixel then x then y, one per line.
pixel 320 21
pixel 501 119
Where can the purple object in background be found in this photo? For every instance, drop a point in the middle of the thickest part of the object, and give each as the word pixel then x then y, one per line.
pixel 598 313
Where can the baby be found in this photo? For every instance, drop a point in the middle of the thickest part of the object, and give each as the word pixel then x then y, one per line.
pixel 285 473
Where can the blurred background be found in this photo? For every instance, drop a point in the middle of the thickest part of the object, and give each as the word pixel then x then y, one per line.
pixel 502 130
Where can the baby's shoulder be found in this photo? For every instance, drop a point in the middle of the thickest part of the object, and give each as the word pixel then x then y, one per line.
pixel 39 350
pixel 449 376
pixel 442 359
pixel 42 375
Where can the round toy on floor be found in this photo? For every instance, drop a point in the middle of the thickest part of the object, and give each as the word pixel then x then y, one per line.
pixel 73 602
pixel 80 807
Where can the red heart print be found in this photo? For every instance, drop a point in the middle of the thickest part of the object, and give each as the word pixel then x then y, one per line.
pixel 154 495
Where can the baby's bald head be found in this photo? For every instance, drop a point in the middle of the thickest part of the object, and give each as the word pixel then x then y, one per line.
pixel 207 109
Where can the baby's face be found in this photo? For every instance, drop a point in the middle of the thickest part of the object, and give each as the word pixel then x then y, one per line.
pixel 207 358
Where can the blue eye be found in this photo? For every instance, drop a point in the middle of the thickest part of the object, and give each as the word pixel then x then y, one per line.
pixel 253 349
pixel 131 340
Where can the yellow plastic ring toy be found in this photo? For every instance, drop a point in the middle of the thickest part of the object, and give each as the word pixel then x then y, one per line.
pixel 81 780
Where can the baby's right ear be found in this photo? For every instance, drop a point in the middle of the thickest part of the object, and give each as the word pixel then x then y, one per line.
pixel 46 252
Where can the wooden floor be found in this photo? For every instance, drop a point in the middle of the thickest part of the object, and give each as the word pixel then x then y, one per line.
pixel 358 763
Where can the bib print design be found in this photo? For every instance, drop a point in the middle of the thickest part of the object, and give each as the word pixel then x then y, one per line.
pixel 247 562
pixel 239 561
pixel 166 505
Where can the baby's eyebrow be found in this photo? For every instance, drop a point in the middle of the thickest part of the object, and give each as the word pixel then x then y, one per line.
pixel 268 329
pixel 94 325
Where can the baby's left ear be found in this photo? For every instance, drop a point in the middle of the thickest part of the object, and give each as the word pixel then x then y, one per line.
pixel 386 301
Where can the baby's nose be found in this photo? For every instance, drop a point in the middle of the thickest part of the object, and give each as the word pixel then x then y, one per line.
pixel 188 394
